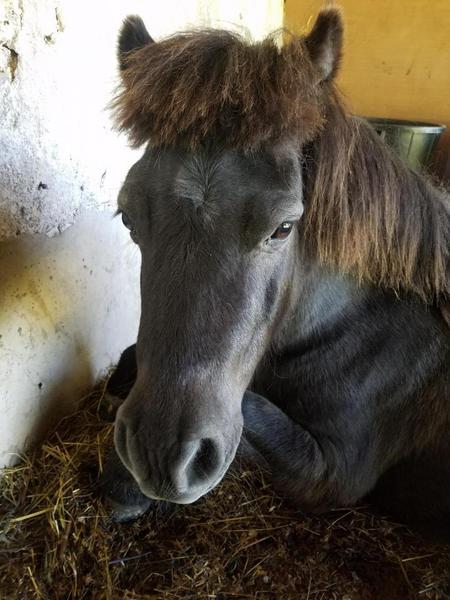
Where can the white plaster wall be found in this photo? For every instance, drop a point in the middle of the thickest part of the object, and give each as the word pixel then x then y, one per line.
pixel 68 273
pixel 68 306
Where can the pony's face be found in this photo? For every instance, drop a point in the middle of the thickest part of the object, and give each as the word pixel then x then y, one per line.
pixel 218 234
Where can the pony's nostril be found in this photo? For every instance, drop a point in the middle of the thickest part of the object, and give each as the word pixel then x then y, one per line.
pixel 206 460
pixel 197 464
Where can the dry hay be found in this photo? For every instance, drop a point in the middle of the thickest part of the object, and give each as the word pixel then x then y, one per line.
pixel 241 541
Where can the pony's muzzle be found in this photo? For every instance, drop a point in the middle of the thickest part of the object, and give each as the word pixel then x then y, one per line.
pixel 180 472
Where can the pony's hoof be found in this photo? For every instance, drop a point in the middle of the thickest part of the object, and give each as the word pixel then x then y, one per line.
pixel 122 513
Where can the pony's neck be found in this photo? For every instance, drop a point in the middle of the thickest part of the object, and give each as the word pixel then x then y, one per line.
pixel 368 215
pixel 321 299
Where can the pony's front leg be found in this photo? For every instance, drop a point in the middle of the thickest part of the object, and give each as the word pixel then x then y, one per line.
pixel 121 492
pixel 307 468
pixel 119 384
pixel 123 496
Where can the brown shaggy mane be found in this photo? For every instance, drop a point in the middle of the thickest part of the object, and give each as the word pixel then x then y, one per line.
pixel 371 216
pixel 366 213
pixel 212 85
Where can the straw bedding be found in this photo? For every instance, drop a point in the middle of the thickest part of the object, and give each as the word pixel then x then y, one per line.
pixel 241 541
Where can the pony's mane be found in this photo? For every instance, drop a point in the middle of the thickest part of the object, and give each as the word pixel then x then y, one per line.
pixel 366 213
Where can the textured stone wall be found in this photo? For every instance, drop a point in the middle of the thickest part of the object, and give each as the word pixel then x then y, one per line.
pixel 69 298
pixel 57 152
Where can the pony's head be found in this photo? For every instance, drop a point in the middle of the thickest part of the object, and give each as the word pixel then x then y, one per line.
pixel 215 205
pixel 242 139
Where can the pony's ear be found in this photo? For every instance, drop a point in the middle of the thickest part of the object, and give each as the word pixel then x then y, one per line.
pixel 324 43
pixel 133 35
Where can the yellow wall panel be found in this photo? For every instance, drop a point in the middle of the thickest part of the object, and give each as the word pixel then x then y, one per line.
pixel 396 58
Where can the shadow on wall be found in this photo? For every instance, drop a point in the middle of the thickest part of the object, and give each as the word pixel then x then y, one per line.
pixel 61 394
pixel 39 358
pixel 68 306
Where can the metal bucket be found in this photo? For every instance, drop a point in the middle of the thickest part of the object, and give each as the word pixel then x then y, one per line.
pixel 413 141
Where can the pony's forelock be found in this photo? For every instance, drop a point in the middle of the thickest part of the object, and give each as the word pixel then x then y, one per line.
pixel 206 85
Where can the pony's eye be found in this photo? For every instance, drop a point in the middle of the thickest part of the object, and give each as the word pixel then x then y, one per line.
pixel 129 225
pixel 127 221
pixel 282 232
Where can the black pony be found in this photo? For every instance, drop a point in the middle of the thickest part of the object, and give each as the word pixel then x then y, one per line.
pixel 294 284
